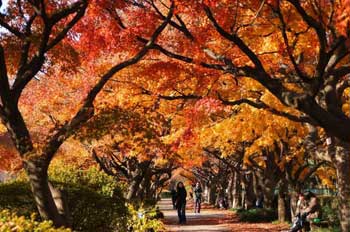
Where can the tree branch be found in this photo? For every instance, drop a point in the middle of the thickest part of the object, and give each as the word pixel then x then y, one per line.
pixel 182 27
pixel 26 71
pixel 286 42
pixel 13 30
pixel 79 14
pixel 4 82
pixel 236 40
pixel 227 67
pixel 341 71
pixel 87 109
pixel 26 46
pixel 71 9
pixel 101 163
pixel 323 56
pixel 261 105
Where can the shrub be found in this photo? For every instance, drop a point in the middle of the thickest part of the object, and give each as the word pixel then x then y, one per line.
pixel 11 222
pixel 95 200
pixel 330 211
pixel 17 197
pixel 257 215
pixel 92 178
pixel 145 220
pixel 92 211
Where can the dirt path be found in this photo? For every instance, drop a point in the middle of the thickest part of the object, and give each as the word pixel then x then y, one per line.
pixel 212 220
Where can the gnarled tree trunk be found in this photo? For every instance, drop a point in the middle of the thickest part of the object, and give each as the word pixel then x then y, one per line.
pixel 211 193
pixel 249 195
pixel 237 191
pixel 134 187
pixel 282 206
pixel 50 203
pixel 230 190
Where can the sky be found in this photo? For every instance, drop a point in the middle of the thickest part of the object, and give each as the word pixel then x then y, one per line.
pixel 4 5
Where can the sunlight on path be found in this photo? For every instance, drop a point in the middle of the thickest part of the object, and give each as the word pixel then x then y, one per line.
pixel 211 220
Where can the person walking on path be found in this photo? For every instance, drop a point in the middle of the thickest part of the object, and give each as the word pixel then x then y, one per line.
pixel 197 198
pixel 181 195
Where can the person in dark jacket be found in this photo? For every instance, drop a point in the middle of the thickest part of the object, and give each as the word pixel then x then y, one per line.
pixel 181 195
pixel 198 198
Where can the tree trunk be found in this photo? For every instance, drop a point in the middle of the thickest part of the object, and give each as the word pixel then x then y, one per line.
pixel 281 208
pixel 61 201
pixel 237 191
pixel 293 203
pixel 270 181
pixel 342 161
pixel 219 195
pixel 134 187
pixel 249 191
pixel 44 199
pixel 230 190
pixel 207 192
pixel 211 195
pixel 146 188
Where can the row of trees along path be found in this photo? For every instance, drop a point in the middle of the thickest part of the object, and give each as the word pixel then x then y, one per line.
pixel 211 219
pixel 297 51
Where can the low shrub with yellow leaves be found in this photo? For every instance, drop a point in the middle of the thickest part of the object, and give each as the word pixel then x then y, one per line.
pixel 145 219
pixel 10 222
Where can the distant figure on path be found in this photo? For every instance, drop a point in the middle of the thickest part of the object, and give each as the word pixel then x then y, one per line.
pixel 181 195
pixel 173 197
pixel 197 198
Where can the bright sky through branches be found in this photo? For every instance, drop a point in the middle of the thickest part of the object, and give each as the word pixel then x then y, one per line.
pixel 4 5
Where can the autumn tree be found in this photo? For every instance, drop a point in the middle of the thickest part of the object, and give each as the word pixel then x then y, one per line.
pixel 33 32
pixel 128 146
pixel 297 50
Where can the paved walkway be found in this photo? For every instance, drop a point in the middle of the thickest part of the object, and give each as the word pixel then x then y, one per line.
pixel 211 220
